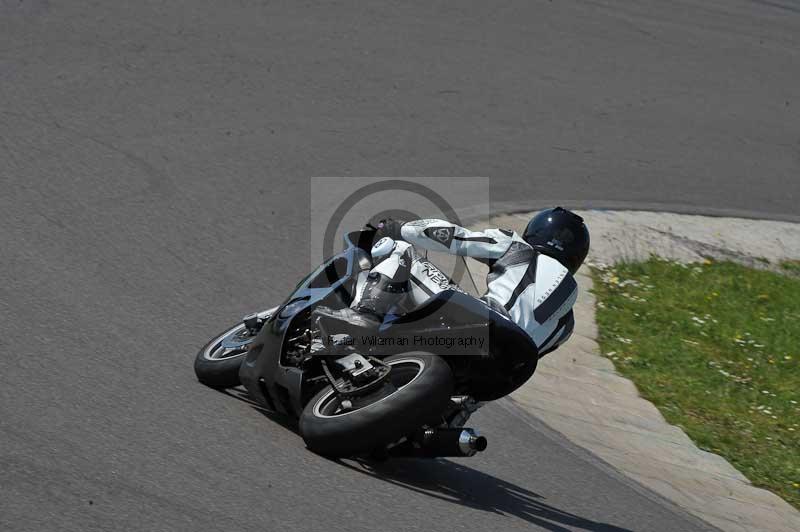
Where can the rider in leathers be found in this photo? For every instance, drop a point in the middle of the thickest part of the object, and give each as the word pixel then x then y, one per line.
pixel 530 277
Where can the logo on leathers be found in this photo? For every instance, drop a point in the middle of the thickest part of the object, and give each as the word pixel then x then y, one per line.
pixel 442 234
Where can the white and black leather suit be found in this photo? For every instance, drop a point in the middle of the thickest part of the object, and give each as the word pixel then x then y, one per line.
pixel 531 289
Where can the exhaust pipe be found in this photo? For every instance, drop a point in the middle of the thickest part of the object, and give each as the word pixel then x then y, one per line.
pixel 470 443
pixel 433 443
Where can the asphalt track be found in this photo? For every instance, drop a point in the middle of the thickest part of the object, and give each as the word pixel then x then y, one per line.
pixel 154 160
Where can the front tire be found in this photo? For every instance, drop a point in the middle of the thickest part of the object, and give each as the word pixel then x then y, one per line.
pixel 417 394
pixel 217 363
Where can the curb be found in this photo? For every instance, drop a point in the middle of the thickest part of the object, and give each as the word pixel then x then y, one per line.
pixel 577 392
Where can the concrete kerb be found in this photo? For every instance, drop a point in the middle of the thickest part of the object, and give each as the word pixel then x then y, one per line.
pixel 577 392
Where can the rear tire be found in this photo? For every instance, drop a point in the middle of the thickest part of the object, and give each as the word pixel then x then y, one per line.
pixel 422 384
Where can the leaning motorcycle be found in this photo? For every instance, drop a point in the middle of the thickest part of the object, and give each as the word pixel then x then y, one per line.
pixel 359 388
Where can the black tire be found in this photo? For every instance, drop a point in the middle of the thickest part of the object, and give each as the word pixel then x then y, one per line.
pixel 219 372
pixel 420 401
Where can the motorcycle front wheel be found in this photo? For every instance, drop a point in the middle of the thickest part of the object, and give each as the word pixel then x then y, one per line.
pixel 217 363
pixel 416 393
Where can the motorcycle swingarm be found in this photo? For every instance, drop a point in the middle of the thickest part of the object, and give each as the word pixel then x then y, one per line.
pixel 355 374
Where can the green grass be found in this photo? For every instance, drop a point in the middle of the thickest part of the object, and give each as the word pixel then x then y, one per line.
pixel 791 266
pixel 716 347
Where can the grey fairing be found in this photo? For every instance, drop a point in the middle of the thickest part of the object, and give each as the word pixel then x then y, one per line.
pixel 281 388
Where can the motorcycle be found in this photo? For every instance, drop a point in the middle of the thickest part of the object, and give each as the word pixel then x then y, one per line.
pixel 358 387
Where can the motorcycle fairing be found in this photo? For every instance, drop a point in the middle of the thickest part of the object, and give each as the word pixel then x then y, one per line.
pixel 509 361
pixel 281 388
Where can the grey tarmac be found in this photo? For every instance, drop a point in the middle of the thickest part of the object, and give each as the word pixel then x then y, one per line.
pixel 154 161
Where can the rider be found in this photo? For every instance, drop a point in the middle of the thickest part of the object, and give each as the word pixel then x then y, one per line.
pixel 530 277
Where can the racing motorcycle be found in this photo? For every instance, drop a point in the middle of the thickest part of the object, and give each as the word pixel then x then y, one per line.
pixel 358 387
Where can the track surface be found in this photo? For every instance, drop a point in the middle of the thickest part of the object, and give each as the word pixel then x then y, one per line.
pixel 153 164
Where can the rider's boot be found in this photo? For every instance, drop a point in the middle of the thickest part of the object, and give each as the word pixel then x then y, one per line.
pixel 386 287
pixel 382 290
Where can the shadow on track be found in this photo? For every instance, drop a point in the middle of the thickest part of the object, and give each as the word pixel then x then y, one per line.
pixel 240 394
pixel 460 484
pixel 455 483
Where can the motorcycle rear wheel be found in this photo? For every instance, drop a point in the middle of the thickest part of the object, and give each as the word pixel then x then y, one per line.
pixel 417 393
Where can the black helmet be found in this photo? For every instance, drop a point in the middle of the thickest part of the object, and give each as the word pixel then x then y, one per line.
pixel 560 234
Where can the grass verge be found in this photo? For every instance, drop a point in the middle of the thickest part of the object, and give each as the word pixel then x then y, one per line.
pixel 716 347
pixel 791 266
